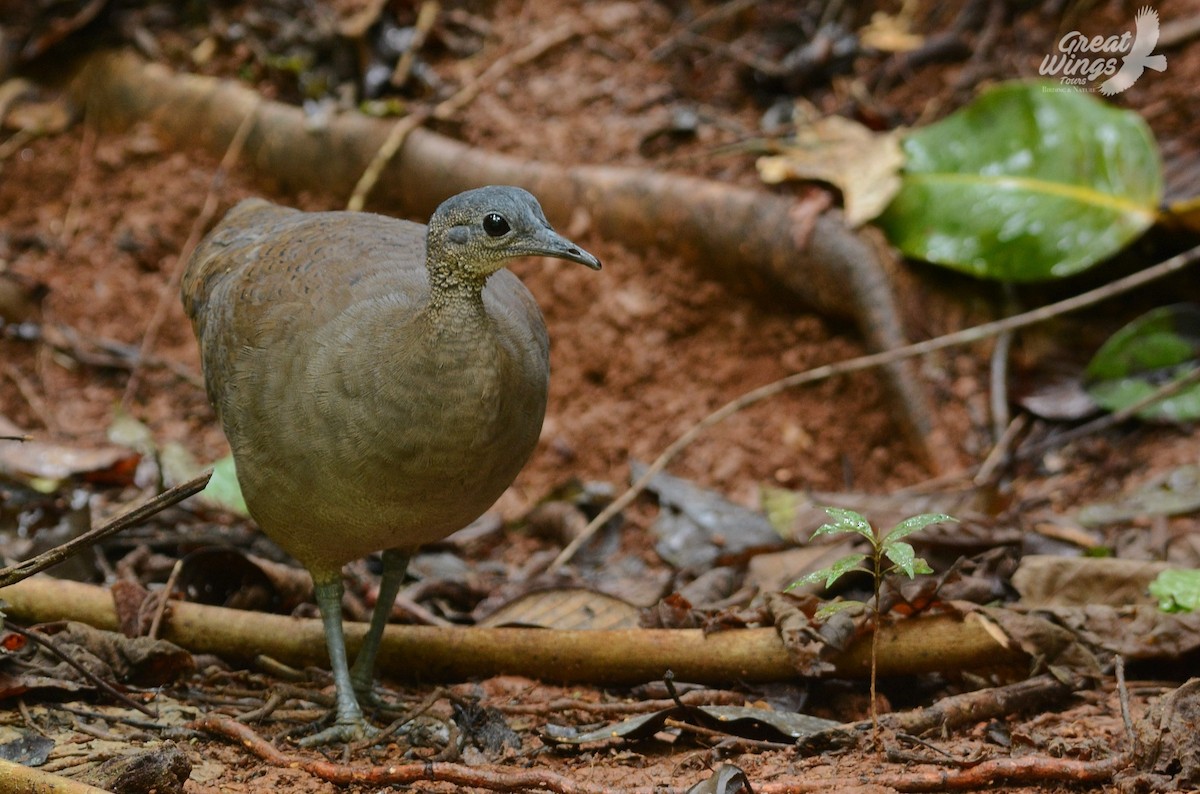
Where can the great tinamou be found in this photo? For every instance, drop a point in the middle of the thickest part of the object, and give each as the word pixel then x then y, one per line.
pixel 380 382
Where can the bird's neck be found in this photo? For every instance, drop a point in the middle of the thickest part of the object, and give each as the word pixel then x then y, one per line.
pixel 454 294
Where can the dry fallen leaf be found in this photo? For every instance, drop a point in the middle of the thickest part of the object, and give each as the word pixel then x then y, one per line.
pixel 890 33
pixel 862 164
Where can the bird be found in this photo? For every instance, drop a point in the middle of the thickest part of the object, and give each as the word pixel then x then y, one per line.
pixel 1145 38
pixel 380 383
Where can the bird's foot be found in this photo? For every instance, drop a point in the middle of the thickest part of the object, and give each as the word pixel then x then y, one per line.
pixel 367 696
pixel 341 732
pixel 364 688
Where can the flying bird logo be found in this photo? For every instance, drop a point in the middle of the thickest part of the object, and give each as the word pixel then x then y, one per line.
pixel 1139 57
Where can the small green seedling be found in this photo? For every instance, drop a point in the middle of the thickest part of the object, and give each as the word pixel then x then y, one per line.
pixel 888 555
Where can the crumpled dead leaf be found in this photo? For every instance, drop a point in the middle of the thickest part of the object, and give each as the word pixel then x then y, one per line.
pixel 743 721
pixel 698 529
pixel 1054 648
pixel 810 643
pixel 864 165
pixel 728 779
pixel 566 608
pixel 890 33
pixel 1166 746
pixel 44 466
pixel 1049 580
pixel 106 654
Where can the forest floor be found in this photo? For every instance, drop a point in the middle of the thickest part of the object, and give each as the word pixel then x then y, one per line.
pixel 640 351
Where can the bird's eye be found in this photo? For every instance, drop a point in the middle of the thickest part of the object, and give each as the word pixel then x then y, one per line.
pixel 495 225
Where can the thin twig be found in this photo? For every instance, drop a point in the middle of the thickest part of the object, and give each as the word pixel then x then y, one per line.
pixel 274 700
pixel 23 570
pixel 28 719
pixel 700 23
pixel 411 714
pixel 998 369
pixel 1123 696
pixel 164 596
pixel 170 290
pixel 32 398
pixel 1001 451
pixel 397 135
pixel 87 145
pixel 963 337
pixel 1110 420
pixel 426 16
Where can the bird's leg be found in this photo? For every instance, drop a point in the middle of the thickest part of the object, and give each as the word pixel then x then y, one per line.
pixel 395 563
pixel 349 725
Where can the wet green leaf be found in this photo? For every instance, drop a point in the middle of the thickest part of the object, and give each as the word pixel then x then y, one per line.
pixel 834 572
pixel 905 559
pixel 846 521
pixel 915 524
pixel 1026 183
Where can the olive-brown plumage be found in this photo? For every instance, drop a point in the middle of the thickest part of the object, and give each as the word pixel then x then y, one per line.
pixel 380 382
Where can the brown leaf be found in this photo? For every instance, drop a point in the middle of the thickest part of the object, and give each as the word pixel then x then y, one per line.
pixel 572 608
pixel 863 164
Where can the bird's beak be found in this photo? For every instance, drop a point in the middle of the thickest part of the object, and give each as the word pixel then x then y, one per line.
pixel 551 243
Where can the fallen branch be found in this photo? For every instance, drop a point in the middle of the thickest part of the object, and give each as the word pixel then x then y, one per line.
pixel 504 779
pixel 1028 770
pixel 951 713
pixel 925 644
pixel 18 777
pixel 985 774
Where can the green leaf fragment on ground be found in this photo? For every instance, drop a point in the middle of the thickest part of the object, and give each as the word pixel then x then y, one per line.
pixel 1177 590
pixel 223 488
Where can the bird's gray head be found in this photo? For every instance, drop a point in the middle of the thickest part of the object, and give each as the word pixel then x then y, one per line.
pixel 478 231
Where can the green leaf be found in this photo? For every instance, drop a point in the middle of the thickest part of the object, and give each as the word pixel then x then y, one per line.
pixel 845 521
pixel 831 574
pixel 1026 183
pixel 915 524
pixel 1177 590
pixel 223 488
pixel 1156 348
pixel 833 607
pixel 905 559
